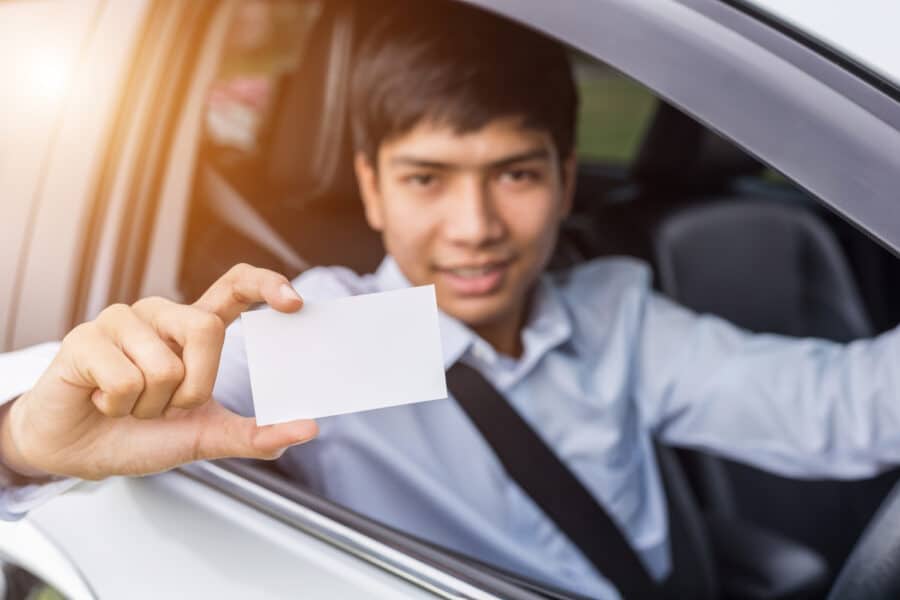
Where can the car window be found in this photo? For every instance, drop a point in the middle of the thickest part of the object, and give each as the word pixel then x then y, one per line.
pixel 613 113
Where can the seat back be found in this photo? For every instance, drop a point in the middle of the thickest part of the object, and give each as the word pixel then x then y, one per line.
pixel 873 569
pixel 693 564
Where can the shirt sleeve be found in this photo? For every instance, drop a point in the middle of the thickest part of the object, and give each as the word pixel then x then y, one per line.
pixel 804 408
pixel 18 373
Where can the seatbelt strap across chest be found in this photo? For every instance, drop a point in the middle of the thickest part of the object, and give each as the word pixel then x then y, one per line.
pixel 551 485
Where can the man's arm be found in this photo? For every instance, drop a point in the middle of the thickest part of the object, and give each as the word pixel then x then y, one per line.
pixel 18 373
pixel 131 392
pixel 798 407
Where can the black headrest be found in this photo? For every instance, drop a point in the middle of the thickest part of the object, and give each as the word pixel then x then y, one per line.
pixel 766 266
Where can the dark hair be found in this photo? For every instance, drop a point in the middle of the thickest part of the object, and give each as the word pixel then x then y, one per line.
pixel 463 67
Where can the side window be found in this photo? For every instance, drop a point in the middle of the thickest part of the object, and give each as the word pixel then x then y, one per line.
pixel 613 115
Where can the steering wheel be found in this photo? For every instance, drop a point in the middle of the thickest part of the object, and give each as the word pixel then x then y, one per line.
pixel 873 569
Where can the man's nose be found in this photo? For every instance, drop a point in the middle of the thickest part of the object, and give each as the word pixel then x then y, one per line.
pixel 471 217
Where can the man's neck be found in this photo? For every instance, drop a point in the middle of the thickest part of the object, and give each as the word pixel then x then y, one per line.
pixel 505 334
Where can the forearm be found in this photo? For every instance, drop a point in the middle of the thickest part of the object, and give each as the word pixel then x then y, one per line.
pixel 14 469
pixel 798 407
pixel 19 371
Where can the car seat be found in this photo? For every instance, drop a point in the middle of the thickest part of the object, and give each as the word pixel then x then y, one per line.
pixel 768 267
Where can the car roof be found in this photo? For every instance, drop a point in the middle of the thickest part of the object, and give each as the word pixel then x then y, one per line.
pixel 865 35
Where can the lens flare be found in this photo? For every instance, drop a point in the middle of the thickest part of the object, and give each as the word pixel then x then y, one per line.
pixel 49 74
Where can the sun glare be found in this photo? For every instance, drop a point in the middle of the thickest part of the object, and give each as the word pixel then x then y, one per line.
pixel 49 74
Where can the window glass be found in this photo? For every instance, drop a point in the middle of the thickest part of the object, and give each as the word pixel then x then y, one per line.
pixel 613 114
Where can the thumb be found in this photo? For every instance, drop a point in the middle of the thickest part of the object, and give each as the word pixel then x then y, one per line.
pixel 241 437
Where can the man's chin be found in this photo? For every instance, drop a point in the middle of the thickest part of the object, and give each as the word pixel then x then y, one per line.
pixel 477 311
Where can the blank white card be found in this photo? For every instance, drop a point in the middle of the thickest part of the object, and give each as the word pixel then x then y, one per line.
pixel 345 355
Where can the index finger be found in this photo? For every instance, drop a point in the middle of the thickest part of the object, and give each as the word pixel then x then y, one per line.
pixel 244 285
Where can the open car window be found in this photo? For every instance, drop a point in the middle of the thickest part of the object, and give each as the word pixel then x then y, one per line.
pixel 274 188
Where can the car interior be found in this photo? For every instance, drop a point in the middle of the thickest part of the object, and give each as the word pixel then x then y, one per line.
pixel 724 233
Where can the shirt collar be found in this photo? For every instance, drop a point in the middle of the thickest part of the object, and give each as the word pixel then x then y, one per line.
pixel 549 324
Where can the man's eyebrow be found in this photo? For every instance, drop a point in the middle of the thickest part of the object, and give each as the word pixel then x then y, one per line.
pixel 415 161
pixel 536 154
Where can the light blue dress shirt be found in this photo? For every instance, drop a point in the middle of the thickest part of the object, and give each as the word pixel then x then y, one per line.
pixel 607 364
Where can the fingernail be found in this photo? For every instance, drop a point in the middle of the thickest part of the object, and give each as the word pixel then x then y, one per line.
pixel 288 293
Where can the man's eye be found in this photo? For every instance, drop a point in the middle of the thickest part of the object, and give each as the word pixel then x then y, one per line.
pixel 520 175
pixel 420 179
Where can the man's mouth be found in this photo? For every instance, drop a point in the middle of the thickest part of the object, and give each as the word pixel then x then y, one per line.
pixel 475 280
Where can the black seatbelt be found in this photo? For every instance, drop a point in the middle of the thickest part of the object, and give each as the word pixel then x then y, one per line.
pixel 542 475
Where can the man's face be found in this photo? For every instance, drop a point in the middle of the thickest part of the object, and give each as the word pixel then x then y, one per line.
pixel 475 214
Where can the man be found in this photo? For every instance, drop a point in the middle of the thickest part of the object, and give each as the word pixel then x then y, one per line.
pixel 464 133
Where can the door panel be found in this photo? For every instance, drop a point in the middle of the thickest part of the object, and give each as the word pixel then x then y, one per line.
pixel 168 536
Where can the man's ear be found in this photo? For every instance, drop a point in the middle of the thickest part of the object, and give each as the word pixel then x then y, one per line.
pixel 367 178
pixel 569 175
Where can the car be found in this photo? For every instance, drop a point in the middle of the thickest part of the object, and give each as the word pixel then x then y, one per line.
pixel 749 150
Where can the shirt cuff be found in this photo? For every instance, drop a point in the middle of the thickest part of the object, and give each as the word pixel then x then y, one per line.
pixel 15 502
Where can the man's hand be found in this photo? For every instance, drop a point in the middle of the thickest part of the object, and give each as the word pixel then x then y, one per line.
pixel 130 393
